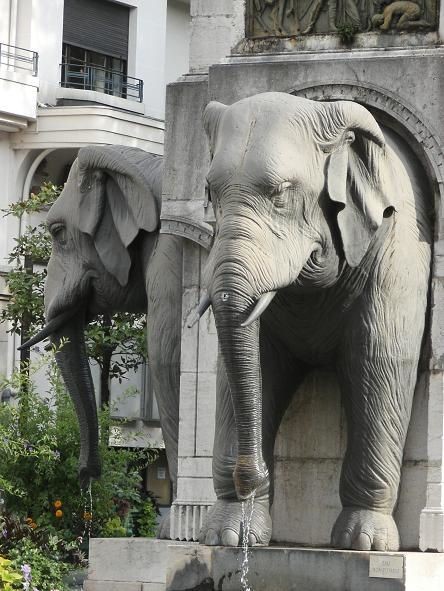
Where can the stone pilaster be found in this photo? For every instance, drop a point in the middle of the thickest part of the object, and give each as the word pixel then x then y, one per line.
pixel 432 516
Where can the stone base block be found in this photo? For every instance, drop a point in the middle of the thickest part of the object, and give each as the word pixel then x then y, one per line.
pixel 431 535
pixel 285 569
pixel 127 564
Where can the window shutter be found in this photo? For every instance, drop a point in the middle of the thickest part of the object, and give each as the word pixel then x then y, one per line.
pixel 97 25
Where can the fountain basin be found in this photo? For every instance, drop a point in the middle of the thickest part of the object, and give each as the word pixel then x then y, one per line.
pixel 201 568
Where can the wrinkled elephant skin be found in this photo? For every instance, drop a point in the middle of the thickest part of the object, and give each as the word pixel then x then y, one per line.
pixel 321 257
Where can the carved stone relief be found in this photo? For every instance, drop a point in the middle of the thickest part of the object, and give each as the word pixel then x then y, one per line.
pixel 283 18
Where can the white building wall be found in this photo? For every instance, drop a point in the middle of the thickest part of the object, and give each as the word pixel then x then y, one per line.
pixel 38 25
pixel 178 30
pixel 158 53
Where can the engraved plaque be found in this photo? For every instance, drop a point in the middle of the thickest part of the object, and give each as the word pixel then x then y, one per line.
pixel 386 566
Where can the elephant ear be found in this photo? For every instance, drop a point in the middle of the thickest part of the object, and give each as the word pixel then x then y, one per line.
pixel 211 118
pixel 120 193
pixel 359 178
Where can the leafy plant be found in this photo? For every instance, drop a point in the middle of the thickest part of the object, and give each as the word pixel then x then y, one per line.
pixel 147 520
pixel 113 528
pixel 347 33
pixel 10 578
pixel 39 447
pixel 45 569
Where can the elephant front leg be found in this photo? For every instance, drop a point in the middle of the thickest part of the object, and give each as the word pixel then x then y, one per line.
pixel 377 376
pixel 223 525
pixel 281 377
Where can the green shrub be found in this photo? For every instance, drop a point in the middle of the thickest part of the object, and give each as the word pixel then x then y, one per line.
pixel 113 528
pixel 10 578
pixel 39 448
pixel 147 520
pixel 46 568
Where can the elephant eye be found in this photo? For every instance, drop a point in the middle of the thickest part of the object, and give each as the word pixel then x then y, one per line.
pixel 278 196
pixel 58 232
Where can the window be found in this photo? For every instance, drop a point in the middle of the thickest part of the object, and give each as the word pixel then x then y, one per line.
pixel 91 70
pixel 95 48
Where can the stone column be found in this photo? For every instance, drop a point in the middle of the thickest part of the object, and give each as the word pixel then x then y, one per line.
pixel 195 493
pixel 185 212
pixel 432 516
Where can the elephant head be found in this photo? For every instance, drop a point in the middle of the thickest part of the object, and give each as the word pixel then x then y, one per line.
pixel 300 191
pixel 112 197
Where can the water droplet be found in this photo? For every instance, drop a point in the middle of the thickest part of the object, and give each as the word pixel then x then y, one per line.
pixel 224 296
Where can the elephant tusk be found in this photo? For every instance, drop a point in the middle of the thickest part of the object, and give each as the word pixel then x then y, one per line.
pixel 49 328
pixel 260 307
pixel 203 306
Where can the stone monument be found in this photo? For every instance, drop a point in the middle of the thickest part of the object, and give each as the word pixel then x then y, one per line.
pixel 390 67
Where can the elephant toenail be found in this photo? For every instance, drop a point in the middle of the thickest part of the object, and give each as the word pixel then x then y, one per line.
pixel 230 538
pixel 344 541
pixel 211 539
pixel 363 542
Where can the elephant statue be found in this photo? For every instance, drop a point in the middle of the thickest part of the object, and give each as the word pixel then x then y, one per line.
pixel 109 256
pixel 321 257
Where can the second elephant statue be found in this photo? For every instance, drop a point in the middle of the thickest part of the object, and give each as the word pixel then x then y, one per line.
pixel 109 256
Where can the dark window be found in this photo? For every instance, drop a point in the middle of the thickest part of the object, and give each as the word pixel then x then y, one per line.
pixel 95 48
pixel 91 70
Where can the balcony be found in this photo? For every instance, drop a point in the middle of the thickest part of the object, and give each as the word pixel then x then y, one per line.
pixel 18 87
pixel 17 58
pixel 78 75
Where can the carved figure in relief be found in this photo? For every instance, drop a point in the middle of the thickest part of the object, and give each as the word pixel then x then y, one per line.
pixel 108 256
pixel 321 257
pixel 279 10
pixel 288 17
pixel 401 14
pixel 340 12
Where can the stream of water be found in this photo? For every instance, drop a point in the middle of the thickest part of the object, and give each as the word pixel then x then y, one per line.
pixel 247 514
pixel 87 513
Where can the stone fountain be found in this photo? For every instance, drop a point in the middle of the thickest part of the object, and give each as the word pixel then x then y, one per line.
pixel 315 53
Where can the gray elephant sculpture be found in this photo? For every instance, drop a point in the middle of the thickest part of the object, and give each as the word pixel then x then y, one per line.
pixel 109 256
pixel 322 233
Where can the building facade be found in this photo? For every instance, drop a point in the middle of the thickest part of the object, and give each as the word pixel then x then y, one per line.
pixel 78 72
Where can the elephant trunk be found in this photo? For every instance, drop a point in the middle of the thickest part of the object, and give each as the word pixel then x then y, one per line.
pixel 73 363
pixel 240 350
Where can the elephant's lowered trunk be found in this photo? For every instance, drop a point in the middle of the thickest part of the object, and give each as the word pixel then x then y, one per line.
pixel 73 363
pixel 240 350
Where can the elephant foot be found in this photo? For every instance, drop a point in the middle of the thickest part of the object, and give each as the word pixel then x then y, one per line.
pixel 223 525
pixel 363 529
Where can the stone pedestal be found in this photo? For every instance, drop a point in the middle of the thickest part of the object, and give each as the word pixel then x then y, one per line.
pixel 298 569
pixel 127 564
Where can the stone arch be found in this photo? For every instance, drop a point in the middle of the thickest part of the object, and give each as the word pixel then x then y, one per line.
pixel 397 113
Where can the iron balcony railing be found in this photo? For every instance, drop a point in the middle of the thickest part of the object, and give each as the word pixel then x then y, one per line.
pixel 92 77
pixel 18 58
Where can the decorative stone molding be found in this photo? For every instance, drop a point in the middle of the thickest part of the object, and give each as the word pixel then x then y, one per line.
pixel 186 521
pixel 198 232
